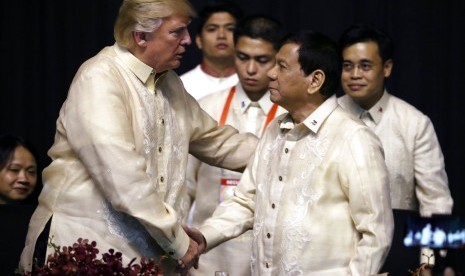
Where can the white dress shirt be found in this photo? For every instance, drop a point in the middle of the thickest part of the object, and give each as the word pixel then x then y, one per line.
pixel 413 155
pixel 317 196
pixel 119 160
pixel 199 84
pixel 206 184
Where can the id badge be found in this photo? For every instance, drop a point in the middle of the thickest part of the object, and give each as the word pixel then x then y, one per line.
pixel 227 188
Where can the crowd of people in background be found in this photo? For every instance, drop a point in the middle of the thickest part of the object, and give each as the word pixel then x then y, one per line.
pixel 248 164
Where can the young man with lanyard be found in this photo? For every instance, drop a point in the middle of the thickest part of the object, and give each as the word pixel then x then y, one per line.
pixel 246 106
pixel 214 38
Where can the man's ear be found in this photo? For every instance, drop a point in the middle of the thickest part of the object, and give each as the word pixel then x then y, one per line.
pixel 387 67
pixel 315 81
pixel 140 38
pixel 198 42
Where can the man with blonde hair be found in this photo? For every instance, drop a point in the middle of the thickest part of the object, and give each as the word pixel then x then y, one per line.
pixel 123 136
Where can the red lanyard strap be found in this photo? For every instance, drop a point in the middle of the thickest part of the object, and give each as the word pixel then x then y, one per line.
pixel 224 115
pixel 270 116
pixel 227 105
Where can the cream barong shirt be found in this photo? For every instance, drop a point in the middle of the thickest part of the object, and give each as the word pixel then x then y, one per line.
pixel 317 196
pixel 206 185
pixel 414 158
pixel 119 160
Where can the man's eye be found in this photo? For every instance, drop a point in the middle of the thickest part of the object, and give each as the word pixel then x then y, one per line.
pixel 241 57
pixel 347 66
pixel 366 66
pixel 263 60
pixel 178 32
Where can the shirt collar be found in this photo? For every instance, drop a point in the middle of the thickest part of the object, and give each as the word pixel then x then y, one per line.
pixel 316 119
pixel 376 111
pixel 242 101
pixel 140 69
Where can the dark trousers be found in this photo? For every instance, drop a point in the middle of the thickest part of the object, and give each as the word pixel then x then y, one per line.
pixel 40 250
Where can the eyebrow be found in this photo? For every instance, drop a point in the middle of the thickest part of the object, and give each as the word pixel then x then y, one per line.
pixel 229 24
pixel 177 29
pixel 19 164
pixel 280 60
pixel 362 60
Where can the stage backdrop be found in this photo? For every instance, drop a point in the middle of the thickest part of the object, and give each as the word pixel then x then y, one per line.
pixel 44 42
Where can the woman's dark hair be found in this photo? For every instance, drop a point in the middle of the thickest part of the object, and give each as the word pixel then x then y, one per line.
pixel 8 144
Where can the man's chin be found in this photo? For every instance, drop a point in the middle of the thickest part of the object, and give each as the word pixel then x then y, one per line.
pixel 274 99
pixel 176 64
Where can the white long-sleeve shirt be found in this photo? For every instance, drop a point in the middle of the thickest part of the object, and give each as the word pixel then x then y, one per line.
pixel 200 84
pixel 413 155
pixel 119 159
pixel 209 185
pixel 317 196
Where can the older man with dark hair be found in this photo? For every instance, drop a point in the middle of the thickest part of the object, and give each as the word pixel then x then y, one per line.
pixel 316 191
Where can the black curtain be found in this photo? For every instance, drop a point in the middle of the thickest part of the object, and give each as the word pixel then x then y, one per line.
pixel 44 42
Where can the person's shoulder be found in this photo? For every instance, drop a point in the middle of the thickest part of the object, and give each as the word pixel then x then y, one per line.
pixel 345 123
pixel 344 99
pixel 215 98
pixel 404 108
pixel 346 102
pixel 103 62
pixel 342 114
pixel 191 74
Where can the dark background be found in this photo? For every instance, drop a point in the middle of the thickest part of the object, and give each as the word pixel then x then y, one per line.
pixel 44 42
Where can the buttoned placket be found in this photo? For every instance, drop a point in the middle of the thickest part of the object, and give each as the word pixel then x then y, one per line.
pixel 252 118
pixel 159 109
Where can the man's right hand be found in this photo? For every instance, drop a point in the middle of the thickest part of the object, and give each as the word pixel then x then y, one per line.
pixel 191 258
pixel 197 236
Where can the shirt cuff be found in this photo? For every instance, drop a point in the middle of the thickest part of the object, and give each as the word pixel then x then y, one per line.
pixel 179 246
pixel 212 236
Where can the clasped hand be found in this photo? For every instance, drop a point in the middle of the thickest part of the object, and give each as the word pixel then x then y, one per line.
pixel 197 245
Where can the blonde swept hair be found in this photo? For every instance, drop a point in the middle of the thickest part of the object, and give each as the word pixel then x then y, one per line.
pixel 146 16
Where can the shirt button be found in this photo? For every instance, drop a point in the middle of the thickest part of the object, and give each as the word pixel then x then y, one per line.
pixel 280 178
pixel 268 235
pixel 272 205
pixel 267 265
pixel 159 149
pixel 286 150
pixel 162 121
pixel 162 178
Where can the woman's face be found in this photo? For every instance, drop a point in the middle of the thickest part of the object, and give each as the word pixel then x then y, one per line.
pixel 19 176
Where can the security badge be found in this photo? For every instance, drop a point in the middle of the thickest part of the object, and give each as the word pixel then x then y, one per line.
pixel 227 188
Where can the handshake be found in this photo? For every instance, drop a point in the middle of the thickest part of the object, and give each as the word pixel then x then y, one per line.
pixel 197 244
